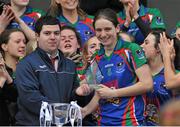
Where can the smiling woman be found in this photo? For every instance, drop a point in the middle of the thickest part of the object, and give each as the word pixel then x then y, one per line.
pixel 126 76
pixel 69 14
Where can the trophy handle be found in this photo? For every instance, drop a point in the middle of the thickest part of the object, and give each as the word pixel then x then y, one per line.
pixel 75 114
pixel 50 113
pixel 45 115
pixel 72 114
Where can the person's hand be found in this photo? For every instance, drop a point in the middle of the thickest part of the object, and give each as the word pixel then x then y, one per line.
pixel 4 75
pixel 133 10
pixel 128 17
pixel 3 72
pixel 16 17
pixel 173 53
pixel 105 92
pixel 166 47
pixel 6 17
pixel 83 90
pixel 75 57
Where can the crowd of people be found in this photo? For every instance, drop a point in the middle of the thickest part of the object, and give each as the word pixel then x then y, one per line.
pixel 46 56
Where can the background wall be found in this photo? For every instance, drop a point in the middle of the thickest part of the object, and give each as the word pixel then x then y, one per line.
pixel 170 10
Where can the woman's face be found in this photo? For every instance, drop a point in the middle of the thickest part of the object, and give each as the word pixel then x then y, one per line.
pixel 68 42
pixel 16 45
pixel 148 46
pixel 20 2
pixel 106 32
pixel 93 45
pixel 68 4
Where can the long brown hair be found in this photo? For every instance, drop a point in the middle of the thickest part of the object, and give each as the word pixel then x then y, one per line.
pixel 56 10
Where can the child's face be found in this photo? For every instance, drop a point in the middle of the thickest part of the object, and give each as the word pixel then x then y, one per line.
pixel 68 42
pixel 93 45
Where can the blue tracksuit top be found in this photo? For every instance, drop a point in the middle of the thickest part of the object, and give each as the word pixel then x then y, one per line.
pixel 37 81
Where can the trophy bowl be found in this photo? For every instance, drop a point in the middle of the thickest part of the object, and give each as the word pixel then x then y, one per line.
pixel 59 112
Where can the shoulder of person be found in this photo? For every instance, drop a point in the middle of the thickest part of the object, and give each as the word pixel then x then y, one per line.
pixel 90 16
pixel 39 11
pixel 130 45
pixel 121 14
pixel 177 71
pixel 154 11
pixel 156 19
pixel 35 11
pixel 88 19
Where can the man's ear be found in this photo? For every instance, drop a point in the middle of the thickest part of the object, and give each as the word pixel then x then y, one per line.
pixel 4 47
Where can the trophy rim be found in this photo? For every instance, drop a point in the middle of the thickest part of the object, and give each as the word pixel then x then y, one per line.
pixel 58 104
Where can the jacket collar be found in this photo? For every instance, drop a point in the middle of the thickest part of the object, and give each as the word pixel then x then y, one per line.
pixel 46 58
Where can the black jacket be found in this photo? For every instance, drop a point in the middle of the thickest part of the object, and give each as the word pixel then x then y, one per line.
pixel 37 81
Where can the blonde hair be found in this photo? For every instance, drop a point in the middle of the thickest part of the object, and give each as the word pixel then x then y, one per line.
pixel 56 10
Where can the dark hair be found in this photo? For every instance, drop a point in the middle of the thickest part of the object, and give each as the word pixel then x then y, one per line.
pixel 74 30
pixel 177 52
pixel 108 14
pixel 45 20
pixel 5 36
pixel 156 34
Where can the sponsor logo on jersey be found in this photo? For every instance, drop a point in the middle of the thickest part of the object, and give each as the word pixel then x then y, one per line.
pixel 140 53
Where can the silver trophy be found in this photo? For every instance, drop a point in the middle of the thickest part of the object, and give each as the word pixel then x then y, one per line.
pixel 93 75
pixel 59 113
